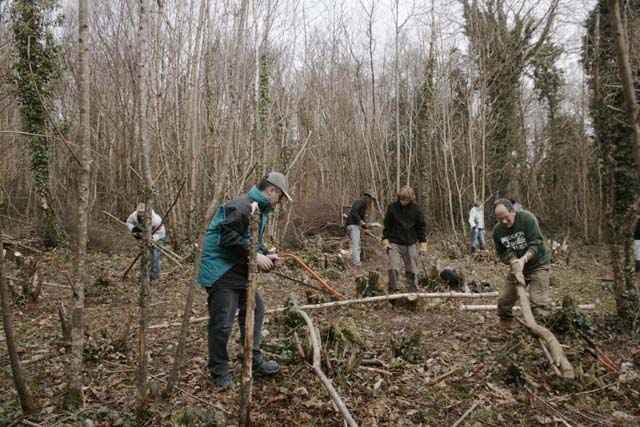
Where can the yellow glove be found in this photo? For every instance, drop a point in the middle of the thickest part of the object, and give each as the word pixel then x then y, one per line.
pixel 385 243
pixel 423 247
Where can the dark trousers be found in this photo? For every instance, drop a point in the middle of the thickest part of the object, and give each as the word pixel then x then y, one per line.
pixel 223 303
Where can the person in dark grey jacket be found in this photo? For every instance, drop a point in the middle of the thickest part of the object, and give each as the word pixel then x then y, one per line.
pixel 404 231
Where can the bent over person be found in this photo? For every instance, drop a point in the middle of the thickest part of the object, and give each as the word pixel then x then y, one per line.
pixel 518 240
pixel 135 224
pixel 404 231
pixel 356 220
pixel 224 273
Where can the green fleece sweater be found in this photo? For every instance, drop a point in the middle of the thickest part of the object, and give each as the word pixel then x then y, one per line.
pixel 524 236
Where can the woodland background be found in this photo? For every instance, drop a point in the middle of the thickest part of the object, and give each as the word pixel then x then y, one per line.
pixel 467 100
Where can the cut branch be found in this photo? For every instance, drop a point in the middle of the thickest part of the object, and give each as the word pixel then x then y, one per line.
pixel 559 358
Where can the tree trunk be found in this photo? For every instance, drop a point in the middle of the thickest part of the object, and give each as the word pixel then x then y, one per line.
pixel 73 394
pixel 627 301
pixel 624 70
pixel 36 69
pixel 24 394
pixel 142 371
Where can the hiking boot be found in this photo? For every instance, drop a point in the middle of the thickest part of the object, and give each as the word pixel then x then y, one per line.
pixel 412 282
pixel 507 325
pixel 392 285
pixel 263 368
pixel 224 381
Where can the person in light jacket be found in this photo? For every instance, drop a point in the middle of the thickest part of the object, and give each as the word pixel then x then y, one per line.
pixel 135 223
pixel 476 222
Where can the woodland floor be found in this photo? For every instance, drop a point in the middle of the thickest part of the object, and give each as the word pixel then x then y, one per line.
pixel 509 373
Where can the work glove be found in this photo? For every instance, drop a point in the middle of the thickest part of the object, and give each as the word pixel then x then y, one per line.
pixel 385 245
pixel 422 248
pixel 264 262
pixel 362 224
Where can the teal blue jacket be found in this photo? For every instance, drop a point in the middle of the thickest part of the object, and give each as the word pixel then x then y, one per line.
pixel 226 242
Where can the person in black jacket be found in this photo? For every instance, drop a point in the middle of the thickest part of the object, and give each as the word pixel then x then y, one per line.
pixel 404 232
pixel 357 219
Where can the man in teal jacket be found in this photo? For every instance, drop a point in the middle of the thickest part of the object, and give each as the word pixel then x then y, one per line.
pixel 518 240
pixel 224 273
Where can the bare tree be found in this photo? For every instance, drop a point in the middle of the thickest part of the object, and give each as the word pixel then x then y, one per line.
pixel 142 64
pixel 73 395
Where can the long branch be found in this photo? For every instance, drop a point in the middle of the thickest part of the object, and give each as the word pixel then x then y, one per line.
pixel 415 295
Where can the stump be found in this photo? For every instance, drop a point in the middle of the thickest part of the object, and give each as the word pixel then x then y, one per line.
pixel 410 303
pixel 369 286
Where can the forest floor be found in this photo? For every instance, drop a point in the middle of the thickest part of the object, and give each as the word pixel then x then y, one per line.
pixel 394 365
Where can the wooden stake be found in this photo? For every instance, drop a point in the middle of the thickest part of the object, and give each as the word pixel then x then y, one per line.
pixel 247 377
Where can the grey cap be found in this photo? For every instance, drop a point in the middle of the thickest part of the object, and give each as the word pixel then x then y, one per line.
pixel 280 181
pixel 372 194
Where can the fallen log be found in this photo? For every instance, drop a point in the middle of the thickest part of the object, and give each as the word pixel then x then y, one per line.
pixel 491 307
pixel 412 296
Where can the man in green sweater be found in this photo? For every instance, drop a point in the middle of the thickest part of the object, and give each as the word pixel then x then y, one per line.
pixel 520 244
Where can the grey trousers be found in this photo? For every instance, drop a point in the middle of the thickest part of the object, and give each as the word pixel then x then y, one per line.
pixel 402 254
pixel 538 286
pixel 354 235
pixel 223 303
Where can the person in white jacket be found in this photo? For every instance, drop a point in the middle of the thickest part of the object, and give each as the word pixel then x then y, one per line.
pixel 135 223
pixel 476 222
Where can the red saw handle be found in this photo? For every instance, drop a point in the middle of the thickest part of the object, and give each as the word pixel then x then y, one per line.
pixel 313 274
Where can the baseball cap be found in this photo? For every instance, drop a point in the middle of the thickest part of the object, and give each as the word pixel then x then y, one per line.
pixel 280 181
